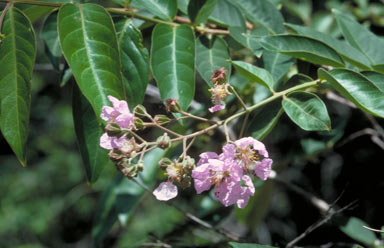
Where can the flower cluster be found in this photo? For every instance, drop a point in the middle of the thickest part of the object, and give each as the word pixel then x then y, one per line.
pixel 220 90
pixel 230 171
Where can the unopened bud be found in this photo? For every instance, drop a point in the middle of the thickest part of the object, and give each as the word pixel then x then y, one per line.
pixel 188 163
pixel 140 111
pixel 139 124
pixel 163 141
pixel 113 130
pixel 219 76
pixel 161 119
pixel 172 105
pixel 164 163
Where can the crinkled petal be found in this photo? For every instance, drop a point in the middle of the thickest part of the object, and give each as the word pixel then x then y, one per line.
pixel 108 113
pixel 263 168
pixel 201 172
pixel 105 141
pixel 202 184
pixel 217 107
pixel 118 143
pixel 125 120
pixel 246 192
pixel 225 193
pixel 165 191
pixel 205 156
pixel 120 106
pixel 229 151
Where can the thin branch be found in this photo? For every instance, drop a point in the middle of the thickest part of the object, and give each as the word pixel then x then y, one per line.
pixel 238 97
pixel 3 15
pixel 245 121
pixel 196 117
pixel 374 230
pixel 365 131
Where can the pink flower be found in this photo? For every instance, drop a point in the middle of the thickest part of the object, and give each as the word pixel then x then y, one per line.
pixel 219 76
pixel 165 191
pixel 217 107
pixel 118 114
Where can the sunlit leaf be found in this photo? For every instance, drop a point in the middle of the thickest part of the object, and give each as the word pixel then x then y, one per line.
pixel 17 57
pixel 173 62
pixel 254 74
pixel 354 229
pixel 307 110
pixel 34 13
pixel 227 14
pixel 164 9
pixel 366 94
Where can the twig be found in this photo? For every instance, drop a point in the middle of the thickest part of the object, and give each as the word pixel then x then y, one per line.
pixel 365 131
pixel 332 96
pixel 192 217
pixel 316 225
pixel 372 229
pixel 3 15
pixel 244 125
pixel 196 117
pixel 238 97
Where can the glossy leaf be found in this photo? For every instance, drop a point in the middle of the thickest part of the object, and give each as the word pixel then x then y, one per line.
pixel 248 245
pixel 303 48
pixel 34 13
pixel 307 110
pixel 349 53
pixel 254 74
pixel 183 5
pixel 50 36
pixel 376 78
pixel 211 54
pixel 277 64
pixel 237 33
pixel 89 44
pixel 123 195
pixel 88 133
pixel 226 14
pixel 135 61
pixel 361 38
pixel 357 88
pixel 173 62
pixel 17 56
pixel 354 229
pixel 262 13
pixel 296 79
pixel 199 10
pixel 265 119
pixel 164 9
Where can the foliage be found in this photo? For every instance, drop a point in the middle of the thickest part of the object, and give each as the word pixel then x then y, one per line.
pixel 304 78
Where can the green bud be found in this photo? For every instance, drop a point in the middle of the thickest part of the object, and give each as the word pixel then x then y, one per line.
pixel 140 111
pixel 163 141
pixel 113 130
pixel 172 105
pixel 188 163
pixel 164 163
pixel 162 119
pixel 139 124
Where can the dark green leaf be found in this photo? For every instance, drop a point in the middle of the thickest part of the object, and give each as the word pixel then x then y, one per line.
pixel 211 54
pixel 89 44
pixel 17 57
pixel 226 14
pixel 173 62
pixel 50 36
pixel 199 10
pixel 123 195
pixel 303 48
pixel 376 78
pixel 295 80
pixel 237 33
pixel 164 9
pixel 307 110
pixel 301 9
pixel 349 53
pixel 183 5
pixel 88 132
pixel 354 229
pixel 361 38
pixel 246 245
pixel 262 13
pixel 265 119
pixel 357 88
pixel 254 74
pixel 134 59
pixel 277 64
pixel 34 13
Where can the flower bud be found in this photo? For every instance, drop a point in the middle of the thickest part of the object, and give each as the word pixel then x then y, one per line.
pixel 161 119
pixel 140 111
pixel 172 105
pixel 219 76
pixel 139 124
pixel 188 163
pixel 164 163
pixel 113 130
pixel 163 141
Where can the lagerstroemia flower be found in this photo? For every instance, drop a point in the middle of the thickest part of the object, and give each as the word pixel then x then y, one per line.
pixel 228 171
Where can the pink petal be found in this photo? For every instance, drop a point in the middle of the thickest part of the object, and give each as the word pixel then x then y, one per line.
pixel 125 120
pixel 205 156
pixel 263 169
pixel 165 191
pixel 105 141
pixel 217 107
pixel 108 113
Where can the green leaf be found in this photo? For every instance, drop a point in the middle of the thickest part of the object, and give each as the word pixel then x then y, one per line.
pixel 364 93
pixel 277 64
pixel 123 195
pixel 303 48
pixel 361 38
pixel 173 62
pixel 211 54
pixel 237 33
pixel 265 119
pixel 376 78
pixel 296 79
pixel 347 52
pixel 247 245
pixel 88 132
pixel 226 14
pixel 34 13
pixel 307 110
pixel 354 229
pixel 262 13
pixel 88 39
pixel 199 10
pixel 17 56
pixel 50 36
pixel 164 9
pixel 135 61
pixel 254 74
pixel 183 5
